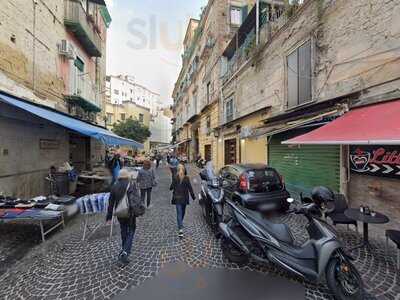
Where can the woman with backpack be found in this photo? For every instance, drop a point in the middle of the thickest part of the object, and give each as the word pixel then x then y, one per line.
pixel 124 190
pixel 181 188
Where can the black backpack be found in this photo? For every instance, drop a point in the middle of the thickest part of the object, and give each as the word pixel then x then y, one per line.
pixel 136 205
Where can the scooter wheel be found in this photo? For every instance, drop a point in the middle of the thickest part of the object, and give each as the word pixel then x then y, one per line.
pixel 232 253
pixel 344 281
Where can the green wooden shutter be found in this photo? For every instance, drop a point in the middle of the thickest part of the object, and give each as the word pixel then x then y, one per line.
pixel 79 64
pixel 244 13
pixel 306 166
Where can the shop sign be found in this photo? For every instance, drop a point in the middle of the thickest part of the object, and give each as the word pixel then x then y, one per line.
pixel 49 144
pixel 381 161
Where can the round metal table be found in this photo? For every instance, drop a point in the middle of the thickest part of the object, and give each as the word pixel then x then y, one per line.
pixel 355 214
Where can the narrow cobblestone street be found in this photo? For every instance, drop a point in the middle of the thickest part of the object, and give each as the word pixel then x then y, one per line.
pixel 64 267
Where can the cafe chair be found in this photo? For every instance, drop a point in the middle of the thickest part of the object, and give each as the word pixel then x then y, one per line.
pixel 394 236
pixel 337 215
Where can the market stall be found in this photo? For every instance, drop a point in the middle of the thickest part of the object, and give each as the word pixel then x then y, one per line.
pixel 46 212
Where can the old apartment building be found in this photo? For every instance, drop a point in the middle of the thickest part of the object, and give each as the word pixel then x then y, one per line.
pixel 125 98
pixel 52 78
pixel 197 90
pixel 296 86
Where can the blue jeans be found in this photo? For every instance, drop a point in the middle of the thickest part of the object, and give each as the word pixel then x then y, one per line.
pixel 127 234
pixel 180 214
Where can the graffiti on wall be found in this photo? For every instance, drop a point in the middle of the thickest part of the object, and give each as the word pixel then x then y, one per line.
pixel 381 161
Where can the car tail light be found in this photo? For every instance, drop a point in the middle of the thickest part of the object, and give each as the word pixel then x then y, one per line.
pixel 243 183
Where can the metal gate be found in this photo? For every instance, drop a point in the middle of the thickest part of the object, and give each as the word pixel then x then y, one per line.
pixel 305 166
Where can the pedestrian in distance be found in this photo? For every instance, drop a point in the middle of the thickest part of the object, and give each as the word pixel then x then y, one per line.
pixel 173 165
pixel 158 159
pixel 115 165
pixel 146 181
pixel 124 187
pixel 181 188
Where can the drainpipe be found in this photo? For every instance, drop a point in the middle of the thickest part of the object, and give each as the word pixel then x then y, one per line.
pixel 257 22
pixel 35 2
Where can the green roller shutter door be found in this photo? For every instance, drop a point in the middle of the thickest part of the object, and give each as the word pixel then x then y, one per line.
pixel 306 166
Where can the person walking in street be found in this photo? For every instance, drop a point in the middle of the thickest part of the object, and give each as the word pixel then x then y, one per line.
pixel 115 166
pixel 181 188
pixel 123 187
pixel 146 181
pixel 173 165
pixel 158 159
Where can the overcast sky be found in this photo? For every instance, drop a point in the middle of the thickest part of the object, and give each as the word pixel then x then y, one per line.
pixel 145 40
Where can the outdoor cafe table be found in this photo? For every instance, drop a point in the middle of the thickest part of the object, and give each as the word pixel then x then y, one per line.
pixel 356 215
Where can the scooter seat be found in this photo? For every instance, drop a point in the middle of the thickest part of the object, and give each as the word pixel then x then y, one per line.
pixel 279 231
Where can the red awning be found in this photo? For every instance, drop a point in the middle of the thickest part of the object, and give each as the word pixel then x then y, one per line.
pixel 377 124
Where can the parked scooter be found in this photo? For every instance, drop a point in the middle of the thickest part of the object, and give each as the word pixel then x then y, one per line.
pixel 211 199
pixel 249 235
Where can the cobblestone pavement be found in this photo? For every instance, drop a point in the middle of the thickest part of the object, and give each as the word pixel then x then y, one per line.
pixel 64 267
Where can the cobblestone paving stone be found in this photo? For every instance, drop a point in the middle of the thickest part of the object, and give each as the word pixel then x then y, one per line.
pixel 67 268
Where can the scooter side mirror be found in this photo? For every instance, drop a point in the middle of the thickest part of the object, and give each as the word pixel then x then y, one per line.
pixel 290 200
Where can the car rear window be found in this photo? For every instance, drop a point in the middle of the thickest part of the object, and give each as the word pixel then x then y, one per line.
pixel 264 180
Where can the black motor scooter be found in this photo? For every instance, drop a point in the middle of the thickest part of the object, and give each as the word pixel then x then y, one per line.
pixel 248 235
pixel 211 199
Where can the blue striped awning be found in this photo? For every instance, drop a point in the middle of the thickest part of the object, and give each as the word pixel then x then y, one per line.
pixel 59 118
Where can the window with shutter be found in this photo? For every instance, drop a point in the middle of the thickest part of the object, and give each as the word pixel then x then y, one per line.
pixel 292 80
pixel 229 110
pixel 299 76
pixel 305 73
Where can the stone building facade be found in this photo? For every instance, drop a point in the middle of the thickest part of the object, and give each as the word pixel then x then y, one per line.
pixel 197 90
pixel 53 54
pixel 309 65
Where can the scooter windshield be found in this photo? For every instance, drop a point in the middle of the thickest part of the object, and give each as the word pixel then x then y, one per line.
pixel 210 171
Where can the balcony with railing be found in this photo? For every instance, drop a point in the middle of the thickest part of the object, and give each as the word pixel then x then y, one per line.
pixel 243 45
pixel 82 26
pixel 84 93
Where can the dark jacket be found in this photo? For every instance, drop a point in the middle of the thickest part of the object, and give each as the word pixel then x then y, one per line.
pixel 113 162
pixel 181 190
pixel 146 179
pixel 116 195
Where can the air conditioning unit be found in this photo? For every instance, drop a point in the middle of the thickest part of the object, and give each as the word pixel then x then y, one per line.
pixel 65 48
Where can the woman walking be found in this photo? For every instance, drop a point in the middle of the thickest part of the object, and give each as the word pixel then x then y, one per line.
pixel 181 188
pixel 146 181
pixel 122 187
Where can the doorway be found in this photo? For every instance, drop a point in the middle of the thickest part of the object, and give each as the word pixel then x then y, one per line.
pixel 207 152
pixel 79 155
pixel 230 151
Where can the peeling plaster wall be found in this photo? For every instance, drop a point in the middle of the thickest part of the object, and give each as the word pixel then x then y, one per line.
pixel 29 61
pixel 356 47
